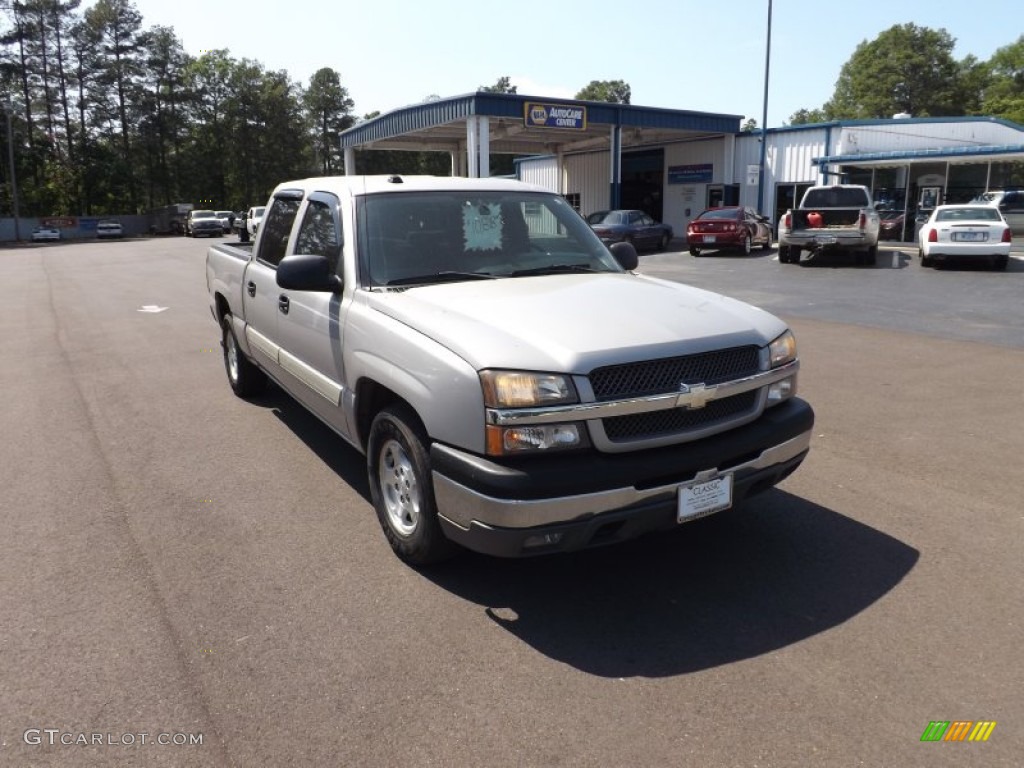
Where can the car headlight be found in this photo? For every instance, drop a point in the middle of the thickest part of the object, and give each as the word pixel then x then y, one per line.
pixel 523 389
pixel 782 350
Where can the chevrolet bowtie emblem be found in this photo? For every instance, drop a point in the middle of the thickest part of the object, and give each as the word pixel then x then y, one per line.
pixel 694 396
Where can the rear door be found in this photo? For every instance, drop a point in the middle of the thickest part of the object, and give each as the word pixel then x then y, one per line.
pixel 311 323
pixel 260 294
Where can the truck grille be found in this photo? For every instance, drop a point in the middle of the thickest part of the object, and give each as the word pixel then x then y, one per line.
pixel 679 420
pixel 654 377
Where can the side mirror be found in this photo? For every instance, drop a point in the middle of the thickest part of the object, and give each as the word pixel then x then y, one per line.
pixel 306 272
pixel 625 254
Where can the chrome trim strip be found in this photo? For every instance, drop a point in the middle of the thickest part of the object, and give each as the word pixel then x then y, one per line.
pixel 262 343
pixel 324 386
pixel 463 506
pixel 631 406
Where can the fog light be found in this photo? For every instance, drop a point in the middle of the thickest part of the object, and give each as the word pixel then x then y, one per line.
pixel 542 540
pixel 540 438
pixel 781 390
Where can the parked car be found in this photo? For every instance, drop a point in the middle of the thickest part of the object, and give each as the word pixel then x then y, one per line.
pixel 45 234
pixel 1010 203
pixel 226 219
pixel 890 225
pixel 109 228
pixel 634 227
pixel 967 232
pixel 731 227
pixel 203 222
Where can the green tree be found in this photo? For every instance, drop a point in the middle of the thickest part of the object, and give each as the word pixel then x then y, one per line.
pixel 118 24
pixel 329 109
pixel 503 85
pixel 749 126
pixel 806 116
pixel 905 69
pixel 1004 94
pixel 613 91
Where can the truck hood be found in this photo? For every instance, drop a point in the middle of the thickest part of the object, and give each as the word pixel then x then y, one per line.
pixel 574 323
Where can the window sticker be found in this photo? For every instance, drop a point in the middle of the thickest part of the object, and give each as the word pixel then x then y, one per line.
pixel 482 224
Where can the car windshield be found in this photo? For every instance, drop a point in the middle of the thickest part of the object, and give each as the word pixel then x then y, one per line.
pixel 224 214
pixel 976 213
pixel 429 237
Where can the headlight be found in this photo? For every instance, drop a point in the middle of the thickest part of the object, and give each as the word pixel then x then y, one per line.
pixel 522 389
pixel 782 350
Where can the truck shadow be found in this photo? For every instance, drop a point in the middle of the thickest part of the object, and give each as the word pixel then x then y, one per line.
pixel 884 259
pixel 730 587
pixel 344 460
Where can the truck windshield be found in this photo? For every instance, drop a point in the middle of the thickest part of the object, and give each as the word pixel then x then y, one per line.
pixel 425 237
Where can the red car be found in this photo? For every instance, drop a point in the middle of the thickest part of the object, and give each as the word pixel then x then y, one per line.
pixel 728 228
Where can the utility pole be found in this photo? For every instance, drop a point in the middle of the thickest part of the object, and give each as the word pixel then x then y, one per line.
pixel 764 115
pixel 8 108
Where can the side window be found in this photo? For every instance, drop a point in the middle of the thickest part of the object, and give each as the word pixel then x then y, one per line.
pixel 276 228
pixel 318 233
pixel 1012 201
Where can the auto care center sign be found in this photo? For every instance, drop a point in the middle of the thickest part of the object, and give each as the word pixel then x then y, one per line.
pixel 542 115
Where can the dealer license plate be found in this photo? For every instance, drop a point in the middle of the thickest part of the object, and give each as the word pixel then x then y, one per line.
pixel 699 499
pixel 970 237
pixel 709 238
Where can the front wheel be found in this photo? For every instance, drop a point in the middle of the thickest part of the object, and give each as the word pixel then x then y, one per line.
pixel 663 244
pixel 398 466
pixel 745 247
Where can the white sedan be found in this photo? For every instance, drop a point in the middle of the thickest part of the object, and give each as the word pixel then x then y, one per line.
pixel 965 232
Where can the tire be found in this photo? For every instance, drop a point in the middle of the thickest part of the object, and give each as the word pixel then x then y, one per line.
pixel 788 254
pixel 766 245
pixel 245 378
pixel 868 257
pixel 663 243
pixel 926 261
pixel 243 236
pixel 1000 262
pixel 398 467
pixel 746 247
pixel 694 251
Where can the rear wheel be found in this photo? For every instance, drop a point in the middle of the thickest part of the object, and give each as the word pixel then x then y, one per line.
pixel 694 251
pixel 767 244
pixel 663 244
pixel 245 378
pixel 926 261
pixel 1000 262
pixel 398 466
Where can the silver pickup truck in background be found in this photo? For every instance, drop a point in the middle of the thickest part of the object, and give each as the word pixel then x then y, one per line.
pixel 840 217
pixel 515 387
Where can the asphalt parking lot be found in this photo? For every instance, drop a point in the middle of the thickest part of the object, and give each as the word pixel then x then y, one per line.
pixel 179 562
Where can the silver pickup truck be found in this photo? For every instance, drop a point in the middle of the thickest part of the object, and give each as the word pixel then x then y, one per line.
pixel 840 217
pixel 515 386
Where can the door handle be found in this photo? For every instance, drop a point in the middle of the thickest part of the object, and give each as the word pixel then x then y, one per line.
pixel 251 287
pixel 283 303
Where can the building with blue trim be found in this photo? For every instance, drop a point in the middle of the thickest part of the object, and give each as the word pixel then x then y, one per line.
pixel 676 163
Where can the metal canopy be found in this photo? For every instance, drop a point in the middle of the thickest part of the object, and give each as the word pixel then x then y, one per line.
pixel 1011 152
pixel 442 126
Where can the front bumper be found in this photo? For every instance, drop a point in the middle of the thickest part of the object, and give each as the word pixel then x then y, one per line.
pixel 572 501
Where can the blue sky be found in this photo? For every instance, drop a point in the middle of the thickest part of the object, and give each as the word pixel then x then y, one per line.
pixel 677 54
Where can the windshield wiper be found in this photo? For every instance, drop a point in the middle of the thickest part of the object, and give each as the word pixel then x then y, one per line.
pixel 554 269
pixel 442 277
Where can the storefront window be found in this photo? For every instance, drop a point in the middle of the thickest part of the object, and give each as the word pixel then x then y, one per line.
pixel 965 182
pixel 1005 175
